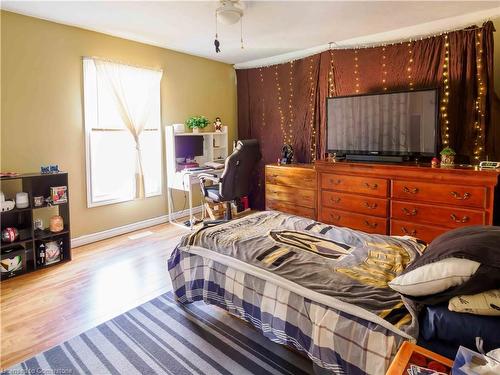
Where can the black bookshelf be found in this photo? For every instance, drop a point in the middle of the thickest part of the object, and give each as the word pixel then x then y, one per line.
pixel 29 240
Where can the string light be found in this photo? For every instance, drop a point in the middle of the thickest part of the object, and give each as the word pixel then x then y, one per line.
pixel 312 90
pixel 384 69
pixel 445 97
pixel 280 110
pixel 356 71
pixel 331 90
pixel 410 65
pixel 290 104
pixel 479 103
pixel 263 120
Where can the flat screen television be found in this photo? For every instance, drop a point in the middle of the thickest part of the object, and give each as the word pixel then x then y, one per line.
pixel 401 125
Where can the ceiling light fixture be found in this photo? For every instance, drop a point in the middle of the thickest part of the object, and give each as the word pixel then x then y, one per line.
pixel 228 14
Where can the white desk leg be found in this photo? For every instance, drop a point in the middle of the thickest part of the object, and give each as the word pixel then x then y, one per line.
pixel 169 203
pixel 190 202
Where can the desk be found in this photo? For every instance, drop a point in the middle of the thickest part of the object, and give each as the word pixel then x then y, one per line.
pixel 184 181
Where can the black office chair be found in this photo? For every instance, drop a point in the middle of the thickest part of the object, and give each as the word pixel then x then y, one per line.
pixel 235 180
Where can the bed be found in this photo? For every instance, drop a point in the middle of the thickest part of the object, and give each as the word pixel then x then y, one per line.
pixel 317 288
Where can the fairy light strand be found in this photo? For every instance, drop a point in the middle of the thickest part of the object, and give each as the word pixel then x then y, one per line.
pixel 479 104
pixel 409 68
pixel 356 71
pixel 384 68
pixel 312 89
pixel 291 115
pixel 331 89
pixel 263 119
pixel 280 110
pixel 445 98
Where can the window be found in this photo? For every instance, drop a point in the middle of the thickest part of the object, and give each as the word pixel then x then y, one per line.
pixel 122 132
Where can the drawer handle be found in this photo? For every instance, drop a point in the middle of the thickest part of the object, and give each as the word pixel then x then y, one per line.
pixel 371 225
pixel 335 199
pixel 335 217
pixel 335 182
pixel 371 186
pixel 454 217
pixel 370 206
pixel 407 212
pixel 456 195
pixel 411 191
pixel 413 233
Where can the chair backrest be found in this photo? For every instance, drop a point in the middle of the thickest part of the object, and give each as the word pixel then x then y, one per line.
pixel 238 169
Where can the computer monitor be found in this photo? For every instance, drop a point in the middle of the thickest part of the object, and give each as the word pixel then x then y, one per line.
pixel 188 146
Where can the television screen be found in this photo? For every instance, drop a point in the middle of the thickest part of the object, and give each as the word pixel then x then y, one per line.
pixel 403 123
pixel 188 146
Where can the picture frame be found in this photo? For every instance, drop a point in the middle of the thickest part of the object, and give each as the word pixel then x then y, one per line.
pixel 59 194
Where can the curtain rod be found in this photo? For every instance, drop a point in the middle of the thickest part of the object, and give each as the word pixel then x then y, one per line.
pixel 122 63
pixel 336 46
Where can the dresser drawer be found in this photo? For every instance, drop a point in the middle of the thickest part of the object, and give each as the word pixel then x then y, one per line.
pixel 369 224
pixel 354 203
pixel 293 196
pixel 354 184
pixel 449 217
pixel 289 176
pixel 424 232
pixel 291 209
pixel 458 195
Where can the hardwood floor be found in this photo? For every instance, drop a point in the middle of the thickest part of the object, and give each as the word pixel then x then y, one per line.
pixel 104 279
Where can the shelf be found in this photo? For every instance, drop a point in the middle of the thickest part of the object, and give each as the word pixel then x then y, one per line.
pixel 36 184
pixel 5 245
pixel 16 210
pixel 200 133
pixel 27 175
pixel 50 205
pixel 38 267
pixel 44 234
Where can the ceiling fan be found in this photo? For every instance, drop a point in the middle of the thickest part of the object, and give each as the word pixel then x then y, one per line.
pixel 228 13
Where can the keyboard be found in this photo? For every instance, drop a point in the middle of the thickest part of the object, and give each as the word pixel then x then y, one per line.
pixel 196 169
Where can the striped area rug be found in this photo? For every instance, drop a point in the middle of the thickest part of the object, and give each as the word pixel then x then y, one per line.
pixel 162 337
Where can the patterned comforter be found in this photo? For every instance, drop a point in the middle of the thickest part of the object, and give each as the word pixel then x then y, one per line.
pixel 318 288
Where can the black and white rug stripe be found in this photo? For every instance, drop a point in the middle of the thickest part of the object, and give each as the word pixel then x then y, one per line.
pixel 162 337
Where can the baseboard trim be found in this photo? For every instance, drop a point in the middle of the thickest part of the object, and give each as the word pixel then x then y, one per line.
pixel 113 232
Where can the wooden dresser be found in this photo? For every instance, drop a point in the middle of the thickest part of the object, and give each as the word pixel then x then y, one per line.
pixel 394 199
pixel 292 189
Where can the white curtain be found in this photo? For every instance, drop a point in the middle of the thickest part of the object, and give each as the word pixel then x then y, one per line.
pixel 134 90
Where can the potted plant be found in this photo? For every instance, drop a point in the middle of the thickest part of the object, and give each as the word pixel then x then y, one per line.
pixel 197 122
pixel 447 157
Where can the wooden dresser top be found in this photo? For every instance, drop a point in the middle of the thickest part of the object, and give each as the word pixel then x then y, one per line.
pixel 472 175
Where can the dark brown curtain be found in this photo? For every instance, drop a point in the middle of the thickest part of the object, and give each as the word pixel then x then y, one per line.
pixel 287 102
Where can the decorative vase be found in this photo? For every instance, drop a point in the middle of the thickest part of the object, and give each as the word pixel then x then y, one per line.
pixel 196 130
pixel 22 200
pixel 56 224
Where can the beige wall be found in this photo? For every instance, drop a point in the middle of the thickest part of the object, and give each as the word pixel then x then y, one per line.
pixel 41 100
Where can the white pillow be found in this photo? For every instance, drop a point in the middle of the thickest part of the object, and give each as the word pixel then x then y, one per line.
pixel 486 303
pixel 435 277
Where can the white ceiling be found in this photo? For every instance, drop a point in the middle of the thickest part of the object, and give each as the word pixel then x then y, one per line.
pixel 270 28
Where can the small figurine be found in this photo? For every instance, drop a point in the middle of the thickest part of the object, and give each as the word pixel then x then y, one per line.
pixel 218 125
pixel 447 157
pixel 286 154
pixel 435 162
pixel 332 157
